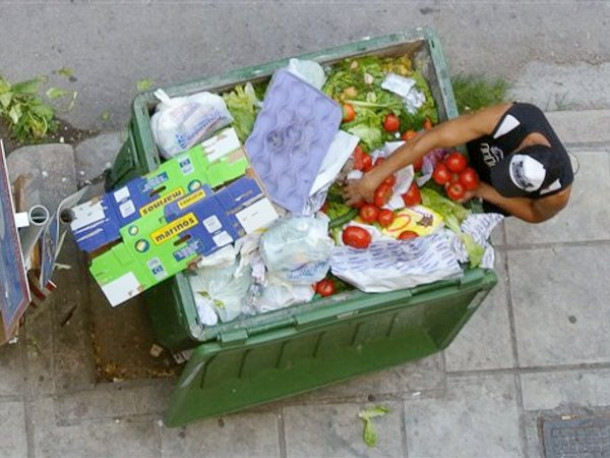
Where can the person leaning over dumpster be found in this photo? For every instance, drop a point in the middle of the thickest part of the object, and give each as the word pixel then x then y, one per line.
pixel 524 169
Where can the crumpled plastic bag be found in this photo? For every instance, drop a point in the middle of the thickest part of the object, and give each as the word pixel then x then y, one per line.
pixel 181 122
pixel 309 71
pixel 406 88
pixel 223 289
pixel 479 226
pixel 297 249
pixel 277 294
pixel 397 264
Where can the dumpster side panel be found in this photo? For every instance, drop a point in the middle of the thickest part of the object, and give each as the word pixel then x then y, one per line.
pixel 318 351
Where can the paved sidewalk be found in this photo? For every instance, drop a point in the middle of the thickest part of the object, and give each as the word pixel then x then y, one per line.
pixel 537 350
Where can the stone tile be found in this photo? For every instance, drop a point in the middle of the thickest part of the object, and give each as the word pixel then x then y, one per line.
pixel 485 341
pixel 39 351
pixel 73 350
pixel 13 441
pixel 398 382
pixel 550 390
pixel 12 374
pixel 587 216
pixel 124 437
pixel 559 299
pixel 113 400
pixel 235 435
pixel 48 170
pixel 94 155
pixel 478 416
pixel 531 428
pixel 335 430
pixel 578 127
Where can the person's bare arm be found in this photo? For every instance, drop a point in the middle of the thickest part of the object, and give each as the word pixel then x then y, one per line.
pixel 449 134
pixel 530 210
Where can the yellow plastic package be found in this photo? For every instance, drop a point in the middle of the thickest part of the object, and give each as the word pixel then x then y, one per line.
pixel 418 219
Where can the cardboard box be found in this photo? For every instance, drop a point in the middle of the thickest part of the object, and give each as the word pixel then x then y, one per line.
pixel 212 163
pixel 196 225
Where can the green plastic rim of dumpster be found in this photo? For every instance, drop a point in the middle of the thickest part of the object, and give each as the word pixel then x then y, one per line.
pixel 253 360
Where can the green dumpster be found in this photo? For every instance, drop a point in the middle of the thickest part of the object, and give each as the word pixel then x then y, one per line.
pixel 253 360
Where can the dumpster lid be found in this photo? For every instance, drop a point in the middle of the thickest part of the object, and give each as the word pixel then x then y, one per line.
pixel 332 343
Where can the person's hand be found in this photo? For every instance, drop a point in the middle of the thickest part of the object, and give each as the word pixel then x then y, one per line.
pixel 356 191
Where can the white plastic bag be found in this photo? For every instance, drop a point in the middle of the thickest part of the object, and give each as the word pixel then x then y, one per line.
pixel 309 71
pixel 397 264
pixel 225 289
pixel 276 294
pixel 297 249
pixel 182 122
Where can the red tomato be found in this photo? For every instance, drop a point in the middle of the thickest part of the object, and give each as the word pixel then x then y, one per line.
pixel 385 217
pixel 427 124
pixel 359 158
pixel 359 204
pixel 367 163
pixel 441 174
pixel 379 161
pixel 390 181
pixel 418 164
pixel 382 194
pixel 368 213
pixel 469 179
pixel 456 190
pixel 456 162
pixel 325 287
pixel 348 113
pixel 412 196
pixel 391 123
pixel 356 237
pixel 406 235
pixel 409 134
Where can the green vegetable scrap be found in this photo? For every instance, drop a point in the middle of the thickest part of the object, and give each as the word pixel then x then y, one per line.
pixel 369 435
pixel 28 117
pixel 244 105
pixel 453 214
pixel 358 82
pixel 144 85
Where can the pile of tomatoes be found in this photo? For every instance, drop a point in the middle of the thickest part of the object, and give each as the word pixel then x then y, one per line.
pixel 455 176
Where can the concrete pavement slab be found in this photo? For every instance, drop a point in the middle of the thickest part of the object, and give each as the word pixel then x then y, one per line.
pixel 485 343
pixel 241 434
pixel 587 216
pixel 577 128
pixel 335 430
pixel 94 155
pixel 579 387
pixel 414 378
pixel 559 298
pixel 113 400
pixel 40 354
pixel 12 372
pixel 13 441
pixel 112 437
pixel 478 416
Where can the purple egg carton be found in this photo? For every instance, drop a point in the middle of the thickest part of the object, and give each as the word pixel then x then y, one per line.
pixel 290 138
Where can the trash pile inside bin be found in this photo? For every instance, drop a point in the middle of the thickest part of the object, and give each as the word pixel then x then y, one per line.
pixel 249 200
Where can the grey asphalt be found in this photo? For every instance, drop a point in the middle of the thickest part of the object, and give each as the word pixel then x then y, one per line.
pixel 538 349
pixel 112 45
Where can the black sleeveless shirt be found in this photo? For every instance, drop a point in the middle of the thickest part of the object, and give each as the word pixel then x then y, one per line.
pixel 520 120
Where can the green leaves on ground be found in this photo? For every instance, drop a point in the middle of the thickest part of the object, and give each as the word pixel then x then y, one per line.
pixel 369 434
pixel 27 116
pixel 144 85
pixel 473 92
